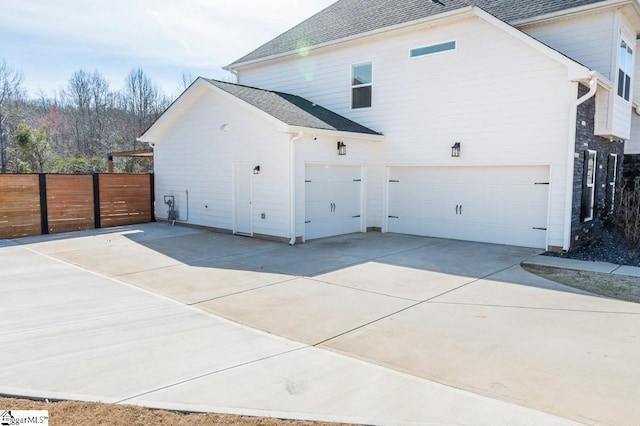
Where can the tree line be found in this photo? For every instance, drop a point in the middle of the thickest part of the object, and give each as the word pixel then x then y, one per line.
pixel 75 130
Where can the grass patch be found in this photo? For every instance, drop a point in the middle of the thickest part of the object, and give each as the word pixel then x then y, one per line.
pixel 620 287
pixel 75 413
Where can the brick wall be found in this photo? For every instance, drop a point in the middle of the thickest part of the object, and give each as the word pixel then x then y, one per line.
pixel 583 233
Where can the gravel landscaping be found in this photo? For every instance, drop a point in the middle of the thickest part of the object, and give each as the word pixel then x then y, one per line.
pixel 606 249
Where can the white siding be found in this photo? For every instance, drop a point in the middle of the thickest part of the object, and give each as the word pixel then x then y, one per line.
pixel 589 39
pixel 621 118
pixel 505 102
pixel 603 116
pixel 594 40
pixel 194 154
pixel 632 146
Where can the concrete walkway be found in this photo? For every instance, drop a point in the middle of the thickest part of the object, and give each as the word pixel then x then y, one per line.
pixel 581 265
pixel 369 328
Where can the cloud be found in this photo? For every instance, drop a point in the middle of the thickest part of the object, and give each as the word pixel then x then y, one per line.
pixel 198 35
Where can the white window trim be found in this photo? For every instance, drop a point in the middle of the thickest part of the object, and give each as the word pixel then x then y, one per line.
pixel 355 86
pixel 592 184
pixel 611 186
pixel 630 72
pixel 426 55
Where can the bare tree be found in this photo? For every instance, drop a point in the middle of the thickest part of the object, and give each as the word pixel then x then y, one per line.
pixel 10 93
pixel 143 100
pixel 90 98
pixel 186 80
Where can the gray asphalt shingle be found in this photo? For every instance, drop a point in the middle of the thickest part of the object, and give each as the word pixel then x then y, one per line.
pixel 292 110
pixel 347 18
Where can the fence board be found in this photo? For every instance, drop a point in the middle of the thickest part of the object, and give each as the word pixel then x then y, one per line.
pixel 70 203
pixel 124 199
pixel 19 206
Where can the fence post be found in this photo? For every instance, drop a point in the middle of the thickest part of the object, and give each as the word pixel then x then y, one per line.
pixel 152 186
pixel 96 200
pixel 44 213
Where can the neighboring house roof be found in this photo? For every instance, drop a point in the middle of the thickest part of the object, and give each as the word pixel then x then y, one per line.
pixel 290 110
pixel 348 18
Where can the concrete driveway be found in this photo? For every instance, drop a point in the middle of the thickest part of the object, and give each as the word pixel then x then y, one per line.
pixel 372 328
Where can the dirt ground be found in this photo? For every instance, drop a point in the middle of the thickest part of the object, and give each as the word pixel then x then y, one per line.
pixel 615 286
pixel 72 413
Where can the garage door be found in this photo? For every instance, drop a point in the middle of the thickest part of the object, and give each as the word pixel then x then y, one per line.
pixel 504 205
pixel 332 200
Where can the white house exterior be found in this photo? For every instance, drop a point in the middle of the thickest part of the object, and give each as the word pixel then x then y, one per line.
pixel 535 115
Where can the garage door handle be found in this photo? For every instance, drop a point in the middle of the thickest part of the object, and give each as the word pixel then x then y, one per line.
pixel 394 217
pixel 540 229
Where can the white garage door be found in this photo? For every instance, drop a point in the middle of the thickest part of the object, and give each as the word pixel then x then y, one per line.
pixel 504 205
pixel 332 200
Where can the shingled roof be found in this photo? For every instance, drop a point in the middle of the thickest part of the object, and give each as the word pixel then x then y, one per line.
pixel 292 110
pixel 347 18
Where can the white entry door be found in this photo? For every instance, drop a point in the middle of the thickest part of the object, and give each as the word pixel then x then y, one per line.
pixel 504 205
pixel 242 210
pixel 333 200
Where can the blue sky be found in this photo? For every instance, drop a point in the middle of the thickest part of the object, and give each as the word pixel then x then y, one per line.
pixel 49 40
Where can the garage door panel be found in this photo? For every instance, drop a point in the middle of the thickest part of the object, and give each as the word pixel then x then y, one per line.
pixel 332 200
pixel 507 216
pixel 418 226
pixel 329 173
pixel 420 209
pixel 329 192
pixel 318 228
pixel 507 205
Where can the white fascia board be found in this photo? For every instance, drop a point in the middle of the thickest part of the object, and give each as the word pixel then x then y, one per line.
pixel 333 133
pixel 575 71
pixel 201 84
pixel 451 15
pixel 150 135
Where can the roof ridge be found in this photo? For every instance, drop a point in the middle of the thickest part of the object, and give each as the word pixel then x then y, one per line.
pixel 254 88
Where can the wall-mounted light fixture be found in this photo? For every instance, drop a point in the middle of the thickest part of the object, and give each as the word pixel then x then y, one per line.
pixel 342 148
pixel 256 170
pixel 455 150
pixel 224 128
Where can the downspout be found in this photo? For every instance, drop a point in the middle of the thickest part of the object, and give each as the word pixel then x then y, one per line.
pixel 571 149
pixel 292 187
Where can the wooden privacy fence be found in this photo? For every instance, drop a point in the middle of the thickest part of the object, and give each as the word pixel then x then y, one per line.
pixel 37 204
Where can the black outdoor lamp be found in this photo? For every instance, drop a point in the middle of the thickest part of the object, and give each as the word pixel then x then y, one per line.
pixel 256 170
pixel 455 150
pixel 342 148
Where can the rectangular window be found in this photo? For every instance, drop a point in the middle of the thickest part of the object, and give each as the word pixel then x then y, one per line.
pixel 625 70
pixel 588 186
pixel 436 48
pixel 361 85
pixel 612 170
